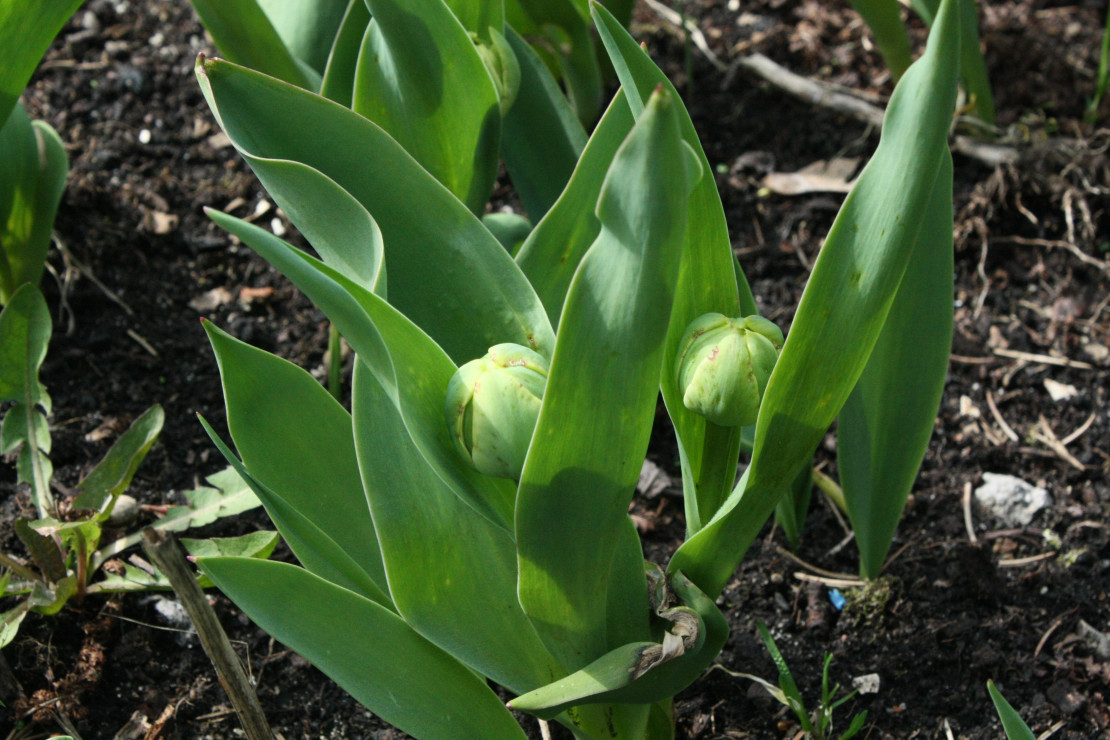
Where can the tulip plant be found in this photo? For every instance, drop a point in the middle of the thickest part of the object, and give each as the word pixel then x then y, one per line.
pixel 466 521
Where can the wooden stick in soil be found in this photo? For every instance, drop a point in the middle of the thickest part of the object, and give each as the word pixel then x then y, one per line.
pixel 163 550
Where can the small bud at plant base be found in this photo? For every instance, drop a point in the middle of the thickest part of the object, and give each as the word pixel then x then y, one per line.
pixel 492 407
pixel 723 366
pixel 503 67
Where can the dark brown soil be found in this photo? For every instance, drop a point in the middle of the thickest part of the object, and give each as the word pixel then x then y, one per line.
pixel 951 611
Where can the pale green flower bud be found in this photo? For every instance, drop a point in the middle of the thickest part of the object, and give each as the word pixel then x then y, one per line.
pixel 492 407
pixel 723 365
pixel 503 67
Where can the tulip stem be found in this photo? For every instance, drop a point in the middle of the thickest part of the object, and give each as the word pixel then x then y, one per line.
pixel 831 489
pixel 335 364
pixel 718 468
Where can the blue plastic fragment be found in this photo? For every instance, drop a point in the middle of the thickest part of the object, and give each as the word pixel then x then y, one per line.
pixel 837 599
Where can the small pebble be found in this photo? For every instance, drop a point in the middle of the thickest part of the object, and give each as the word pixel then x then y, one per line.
pixel 144 136
pixel 1010 499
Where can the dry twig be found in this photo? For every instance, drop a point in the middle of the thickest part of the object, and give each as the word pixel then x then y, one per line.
pixel 1049 438
pixel 968 523
pixel 1006 428
pixel 164 551
pixel 1043 359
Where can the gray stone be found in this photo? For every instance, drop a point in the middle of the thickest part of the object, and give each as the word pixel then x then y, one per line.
pixel 1010 499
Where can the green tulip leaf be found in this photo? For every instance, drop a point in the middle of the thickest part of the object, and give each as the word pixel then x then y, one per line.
pixel 884 429
pixel 244 34
pixel 337 226
pixel 641 672
pixel 367 649
pixel 843 308
pixel 582 465
pixel 307 27
pixel 460 593
pixel 790 514
pixel 421 79
pixel 1012 723
pixel 297 440
pixel 26 30
pixel 563 27
pixel 339 75
pixel 446 271
pixel 552 252
pixel 884 18
pixel 479 16
pixel 370 324
pixel 318 552
pixel 973 67
pixel 541 137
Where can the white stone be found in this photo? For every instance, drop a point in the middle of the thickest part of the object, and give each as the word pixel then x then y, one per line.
pixel 867 684
pixel 172 612
pixel 1010 499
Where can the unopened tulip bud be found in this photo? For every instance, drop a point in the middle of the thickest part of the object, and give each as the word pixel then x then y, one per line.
pixel 492 407
pixel 723 365
pixel 503 67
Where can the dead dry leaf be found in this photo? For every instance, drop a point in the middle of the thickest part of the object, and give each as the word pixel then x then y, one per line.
pixel 249 295
pixel 211 300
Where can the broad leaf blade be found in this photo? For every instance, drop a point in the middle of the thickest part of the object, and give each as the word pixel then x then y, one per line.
pixel 26 30
pixel 420 78
pixel 1012 723
pixel 599 404
pixel 366 649
pixel 306 27
pixel 542 139
pixel 446 271
pixel 318 552
pixel 478 16
pixel 790 514
pixel 563 25
pixel 245 35
pixel 973 68
pixel 339 75
pixel 884 429
pixel 843 308
pixel 550 255
pixel 113 474
pixel 337 226
pixel 297 440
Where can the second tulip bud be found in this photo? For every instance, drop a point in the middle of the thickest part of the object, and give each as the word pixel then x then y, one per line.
pixel 723 365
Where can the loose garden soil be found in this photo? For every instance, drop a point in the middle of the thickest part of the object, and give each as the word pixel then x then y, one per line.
pixel 963 599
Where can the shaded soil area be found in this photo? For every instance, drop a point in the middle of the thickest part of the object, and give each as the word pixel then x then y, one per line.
pixel 964 597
